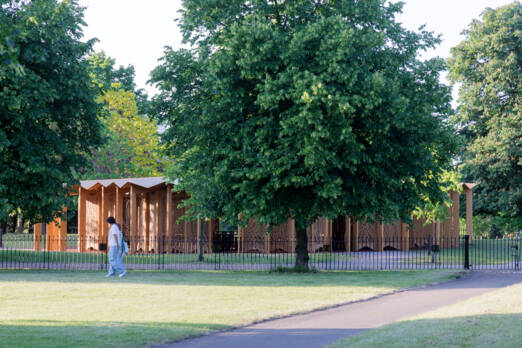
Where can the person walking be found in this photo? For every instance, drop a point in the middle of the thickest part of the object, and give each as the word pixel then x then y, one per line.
pixel 115 249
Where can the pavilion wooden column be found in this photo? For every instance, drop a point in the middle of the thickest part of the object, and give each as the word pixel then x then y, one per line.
pixel 240 239
pixel 168 219
pixel 292 235
pixel 185 236
pixel 212 229
pixel 347 233
pixel 147 224
pixel 379 234
pixel 133 228
pixel 405 237
pixel 312 242
pixel 51 237
pixel 355 235
pixel 240 236
pixel 118 205
pixel 267 243
pixel 82 214
pixel 326 234
pixel 104 216
pixel 62 231
pixel 100 217
pixel 198 234
pixel 37 237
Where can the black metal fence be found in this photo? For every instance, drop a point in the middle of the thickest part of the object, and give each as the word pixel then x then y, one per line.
pixel 231 253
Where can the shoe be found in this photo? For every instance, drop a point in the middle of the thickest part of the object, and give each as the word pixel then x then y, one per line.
pixel 123 275
pixel 109 275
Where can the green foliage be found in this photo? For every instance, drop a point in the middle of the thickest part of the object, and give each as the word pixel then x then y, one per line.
pixel 8 32
pixel 48 113
pixel 488 226
pixel 104 74
pixel 131 142
pixel 131 147
pixel 487 66
pixel 437 210
pixel 303 109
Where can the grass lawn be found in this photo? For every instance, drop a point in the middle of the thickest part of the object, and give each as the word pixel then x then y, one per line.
pixel 84 309
pixel 490 320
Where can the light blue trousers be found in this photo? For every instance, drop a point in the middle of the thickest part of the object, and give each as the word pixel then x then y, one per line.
pixel 115 260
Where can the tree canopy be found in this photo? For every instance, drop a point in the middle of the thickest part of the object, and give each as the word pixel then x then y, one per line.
pixel 48 113
pixel 104 75
pixel 301 109
pixel 7 33
pixel 487 66
pixel 131 147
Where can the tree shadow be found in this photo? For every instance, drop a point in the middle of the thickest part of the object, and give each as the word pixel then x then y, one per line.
pixel 378 279
pixel 54 333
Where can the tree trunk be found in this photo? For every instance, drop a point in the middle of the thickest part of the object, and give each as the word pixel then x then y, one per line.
pixel 301 249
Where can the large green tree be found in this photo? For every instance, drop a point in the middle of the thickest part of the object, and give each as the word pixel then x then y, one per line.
pixel 301 109
pixel 48 113
pixel 487 65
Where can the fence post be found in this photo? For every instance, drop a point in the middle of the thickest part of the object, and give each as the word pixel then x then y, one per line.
pixel 466 251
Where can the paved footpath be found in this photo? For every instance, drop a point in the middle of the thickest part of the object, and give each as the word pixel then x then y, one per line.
pixel 324 327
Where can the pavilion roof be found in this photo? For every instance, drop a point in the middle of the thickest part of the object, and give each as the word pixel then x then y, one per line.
pixel 121 183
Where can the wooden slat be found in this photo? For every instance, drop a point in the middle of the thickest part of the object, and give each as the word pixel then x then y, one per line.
pixel 133 228
pixel 100 216
pixel 169 218
pixel 62 240
pixel 147 223
pixel 438 232
pixel 198 236
pixel 37 237
pixel 105 215
pixel 326 239
pixel 292 235
pixel 267 243
pixel 405 237
pixel 379 234
pixel 82 214
pixel 185 236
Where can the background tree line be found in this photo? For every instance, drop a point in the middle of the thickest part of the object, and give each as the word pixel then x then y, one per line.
pixel 66 113
pixel 297 109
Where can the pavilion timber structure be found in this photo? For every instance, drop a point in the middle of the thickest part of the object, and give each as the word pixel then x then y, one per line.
pixel 149 213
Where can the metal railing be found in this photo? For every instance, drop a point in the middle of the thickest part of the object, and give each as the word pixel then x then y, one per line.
pixel 257 254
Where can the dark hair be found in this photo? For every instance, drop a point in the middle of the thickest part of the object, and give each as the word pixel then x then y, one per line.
pixel 111 220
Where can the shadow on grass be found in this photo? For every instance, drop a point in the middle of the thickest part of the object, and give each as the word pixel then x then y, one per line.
pixel 52 333
pixel 234 278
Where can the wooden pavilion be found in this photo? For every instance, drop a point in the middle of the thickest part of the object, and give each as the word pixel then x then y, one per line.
pixel 149 213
